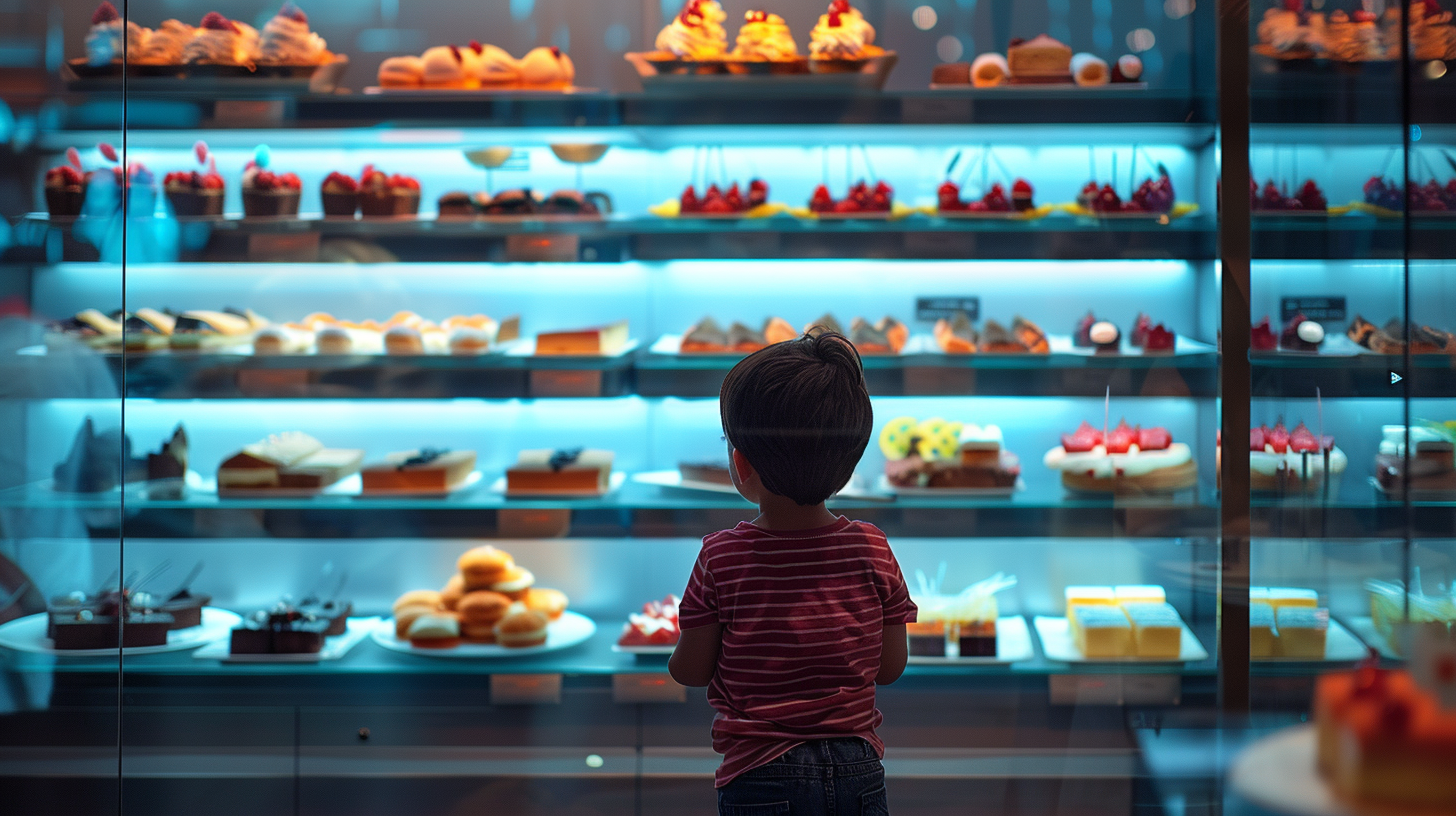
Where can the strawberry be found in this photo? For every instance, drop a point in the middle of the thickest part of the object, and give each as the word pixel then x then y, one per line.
pixel 847 205
pixel 1084 439
pixel 1262 337
pixel 1301 440
pixel 107 151
pixel 1278 438
pixel 734 197
pixel 688 202
pixel 757 192
pixel 1154 439
pixel 1121 438
pixel 293 12
pixel 1257 438
pixel 217 22
pixel 821 201
pixel 948 196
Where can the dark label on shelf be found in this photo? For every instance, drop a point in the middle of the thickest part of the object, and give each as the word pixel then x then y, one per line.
pixel 934 308
pixel 1319 309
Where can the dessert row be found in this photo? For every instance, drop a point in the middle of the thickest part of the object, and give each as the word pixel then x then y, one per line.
pixel 285 41
pixel 1299 334
pixel 1292 30
pixel 406 333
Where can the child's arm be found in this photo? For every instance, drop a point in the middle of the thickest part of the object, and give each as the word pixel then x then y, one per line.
pixel 892 655
pixel 695 659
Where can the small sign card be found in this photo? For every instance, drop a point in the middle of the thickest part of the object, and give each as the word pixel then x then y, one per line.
pixel 1320 309
pixel 931 309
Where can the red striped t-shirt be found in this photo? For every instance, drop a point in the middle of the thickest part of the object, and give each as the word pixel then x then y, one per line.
pixel 802 615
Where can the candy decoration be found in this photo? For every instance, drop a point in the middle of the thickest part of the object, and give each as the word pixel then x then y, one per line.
pixel 262 156
pixel 108 151
pixel 73 158
pixel 896 437
pixel 938 439
pixel 200 150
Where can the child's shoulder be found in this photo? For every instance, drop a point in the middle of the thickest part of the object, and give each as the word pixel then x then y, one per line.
pixel 747 535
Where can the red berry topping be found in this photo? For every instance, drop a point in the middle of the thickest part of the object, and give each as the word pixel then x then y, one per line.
pixel 1154 439
pixel 1159 339
pixel 217 22
pixel 688 203
pixel 477 47
pixel 755 16
pixel 1302 440
pixel 1084 439
pixel 64 175
pixel 290 181
pixel 1121 438
pixel 105 13
pixel 556 52
pixel 1294 5
pixel 1278 438
pixel 293 12
pixel 1257 439
pixel 403 182
pixel 455 52
pixel 1262 337
pixel 1363 16
pixel 839 6
pixel 1021 187
pixel 337 179
pixel 107 151
pixel 834 20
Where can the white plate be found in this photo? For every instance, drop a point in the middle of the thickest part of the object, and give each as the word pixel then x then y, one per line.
pixel 643 650
pixel 28 634
pixel 1364 628
pixel 1341 646
pixel 674 479
pixel 334 647
pixel 351 485
pixel 1056 643
pixel 563 633
pixel 1013 644
pixel 470 481
pixel 1278 773
pixel 618 478
pixel 950 492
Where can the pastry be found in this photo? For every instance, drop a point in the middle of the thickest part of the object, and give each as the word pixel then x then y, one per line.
pixel 438 630
pixel 405 617
pixel 1090 70
pixel 655 625
pixel 404 340
pixel 455 204
pixel 990 70
pixel 493 67
pixel 1129 68
pixel 696 34
pixel 479 612
pixel 549 602
pixel 287 40
pixel 445 68
pixel 521 628
pixel 485 565
pixel 514 583
pixel 167 469
pixel 1125 460
pixel 578 470
pixel 765 37
pixel 842 40
pixel 1385 739
pixel 427 598
pixel 934 453
pixel 220 41
pixel 165 44
pixel 381 194
pixel 706 336
pixel 1432 468
pixel 547 69
pixel 1157 631
pixel 204 328
pixel 429 469
pixel 266 193
pixel 887 336
pixel 605 340
pixel 1039 60
pixel 1030 336
pixel 402 72
pixel 104 43
pixel 996 339
pixel 1302 631
pixel 93 464
pixel 957 335
pixel 91 327
pixel 290 460
pixel 340 195
pixel 568 202
pixel 280 630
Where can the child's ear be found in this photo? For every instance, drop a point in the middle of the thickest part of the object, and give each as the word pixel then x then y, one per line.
pixel 741 466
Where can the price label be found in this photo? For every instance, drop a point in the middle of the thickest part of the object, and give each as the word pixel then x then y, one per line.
pixel 931 309
pixel 1320 309
pixel 525 689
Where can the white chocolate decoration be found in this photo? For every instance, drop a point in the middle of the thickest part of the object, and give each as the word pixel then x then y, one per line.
pixel 1099 464
pixel 1310 332
pixel 1103 333
pixel 1130 66
pixel 1089 69
pixel 989 70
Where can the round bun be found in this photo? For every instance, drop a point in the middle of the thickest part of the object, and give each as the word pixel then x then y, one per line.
pixel 452 593
pixel 521 628
pixel 549 602
pixel 418 597
pixel 484 566
pixel 483 607
pixel 440 630
pixel 478 632
pixel 514 583
pixel 405 616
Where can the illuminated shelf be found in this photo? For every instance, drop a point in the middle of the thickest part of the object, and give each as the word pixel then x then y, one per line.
pixel 1285 375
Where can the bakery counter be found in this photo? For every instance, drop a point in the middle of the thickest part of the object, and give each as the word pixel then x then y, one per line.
pixel 1280 375
pixel 643 507
pixel 915 236
pixel 164 106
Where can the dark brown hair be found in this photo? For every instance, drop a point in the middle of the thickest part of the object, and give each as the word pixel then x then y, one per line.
pixel 800 413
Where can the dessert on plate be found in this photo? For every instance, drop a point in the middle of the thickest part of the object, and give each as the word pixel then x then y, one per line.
pixel 1039 60
pixel 715 201
pixel 606 340
pixel 283 629
pixel 1432 467
pixel 544 471
pixel 433 470
pixel 862 198
pixel 287 40
pixel 194 193
pixel 995 200
pixel 1134 621
pixel 707 337
pixel 696 34
pixel 488 600
pixel 842 41
pixel 1392 338
pixel 1285 461
pixel 933 453
pixel 291 460
pixel 1274 198
pixel 709 472
pixel 1124 460
pixel 655 625
pixel 764 42
pixel 165 44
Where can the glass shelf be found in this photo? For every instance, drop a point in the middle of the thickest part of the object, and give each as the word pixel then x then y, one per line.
pixel 1299 92
pixel 1364 375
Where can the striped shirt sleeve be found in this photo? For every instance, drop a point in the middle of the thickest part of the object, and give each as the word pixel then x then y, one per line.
pixel 699 606
pixel 894 595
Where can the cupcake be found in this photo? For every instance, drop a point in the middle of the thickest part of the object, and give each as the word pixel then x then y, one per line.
pixel 65 191
pixel 104 39
pixel 340 194
pixel 455 204
pixel 381 194
pixel 193 193
pixel 266 193
pixel 765 41
pixel 287 40
pixel 696 34
pixel 165 44
pixel 220 41
pixel 842 40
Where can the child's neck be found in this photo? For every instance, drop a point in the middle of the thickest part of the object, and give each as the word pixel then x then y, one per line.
pixel 783 513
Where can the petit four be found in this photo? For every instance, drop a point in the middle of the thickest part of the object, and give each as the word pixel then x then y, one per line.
pixel 1039 60
pixel 289 460
pixel 934 453
pixel 1431 468
pixel 427 469
pixel 655 625
pixel 547 471
pixel 284 629
pixel 608 339
pixel 1123 460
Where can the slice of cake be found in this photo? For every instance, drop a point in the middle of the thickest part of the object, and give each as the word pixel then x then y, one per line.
pixel 1039 60
pixel 1302 631
pixel 288 460
pixel 427 469
pixel 547 471
pixel 1262 642
pixel 1157 631
pixel 609 339
pixel 704 336
pixel 1100 632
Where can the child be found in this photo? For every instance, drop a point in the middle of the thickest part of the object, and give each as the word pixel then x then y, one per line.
pixel 790 620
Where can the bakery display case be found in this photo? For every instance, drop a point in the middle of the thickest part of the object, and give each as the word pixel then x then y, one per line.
pixel 363 415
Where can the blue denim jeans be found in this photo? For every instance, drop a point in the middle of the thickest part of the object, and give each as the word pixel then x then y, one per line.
pixel 833 777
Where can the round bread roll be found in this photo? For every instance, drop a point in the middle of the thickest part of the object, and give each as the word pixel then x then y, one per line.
pixel 452 593
pixel 484 566
pixel 404 340
pixel 418 597
pixel 405 616
pixel 333 340
pixel 514 583
pixel 549 602
pixel 521 628
pixel 1089 69
pixel 483 607
pixel 272 340
pixel 439 630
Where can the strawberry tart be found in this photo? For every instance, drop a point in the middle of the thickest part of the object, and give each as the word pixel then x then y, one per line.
pixel 1125 460
pixel 1285 461
pixel 655 626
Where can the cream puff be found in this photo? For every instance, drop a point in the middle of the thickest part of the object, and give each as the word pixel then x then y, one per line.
pixel 547 68
pixel 483 566
pixel 521 628
pixel 479 612
pixel 514 583
pixel 438 630
pixel 445 68
pixel 549 602
pixel 402 72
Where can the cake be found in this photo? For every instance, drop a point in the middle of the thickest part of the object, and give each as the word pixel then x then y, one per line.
pixel 290 460
pixel 89 631
pixel 547 471
pixel 340 195
pixel 1100 632
pixel 605 340
pixel 1088 69
pixel 841 40
pixel 99 331
pixel 1301 334
pixel 1132 621
pixel 429 469
pixel 1393 608
pixel 934 453
pixel 655 625
pixel 547 69
pixel 972 619
pixel 1291 461
pixel 885 336
pixel 1039 60
pixel 1302 631
pixel 266 193
pixel 287 40
pixel 192 193
pixel 381 194
pixel 956 335
pixel 1157 631
pixel 492 66
pixel 716 202
pixel 1386 739
pixel 1431 468
pixel 1262 634
pixel 706 336
pixel 220 41
pixel 444 67
pixel 165 44
pixel 166 470
pixel 283 629
pixel 1125 460
pixel 696 34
